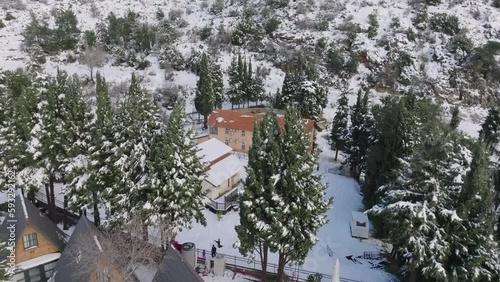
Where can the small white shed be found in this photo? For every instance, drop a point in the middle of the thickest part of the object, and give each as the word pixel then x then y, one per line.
pixel 360 225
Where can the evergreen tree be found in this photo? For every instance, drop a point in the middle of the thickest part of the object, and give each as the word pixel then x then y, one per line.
pixel 290 86
pixel 297 224
pixel 18 104
pixel 217 85
pixel 340 122
pixel 66 33
pixel 311 99
pixel 420 205
pixel 490 128
pixel 359 135
pixel 475 255
pixel 137 123
pixel 235 94
pixel 455 118
pixel 394 135
pixel 204 99
pixel 257 215
pixel 175 178
pixel 90 173
pixel 48 144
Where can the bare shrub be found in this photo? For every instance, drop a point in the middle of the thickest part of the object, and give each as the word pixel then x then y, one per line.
pixel 92 57
pixel 120 250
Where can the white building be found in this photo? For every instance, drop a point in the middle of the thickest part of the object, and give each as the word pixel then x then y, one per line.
pixel 222 168
pixel 360 225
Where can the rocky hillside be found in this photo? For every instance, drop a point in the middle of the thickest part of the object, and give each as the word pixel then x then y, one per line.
pixel 445 49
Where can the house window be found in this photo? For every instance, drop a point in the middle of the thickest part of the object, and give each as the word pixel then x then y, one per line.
pixel 103 275
pixel 49 268
pixel 227 130
pixel 34 274
pixel 19 277
pixel 243 145
pixel 227 141
pixel 30 240
pixel 213 130
pixel 243 133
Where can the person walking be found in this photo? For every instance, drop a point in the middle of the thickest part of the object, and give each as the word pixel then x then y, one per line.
pixel 214 251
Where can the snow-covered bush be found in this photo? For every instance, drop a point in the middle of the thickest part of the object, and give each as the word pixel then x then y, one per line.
pixel 445 23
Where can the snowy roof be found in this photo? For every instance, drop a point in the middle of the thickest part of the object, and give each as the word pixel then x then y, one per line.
pixel 359 216
pixel 212 149
pixel 223 170
pixel 174 269
pixel 27 214
pixel 38 261
pixel 68 264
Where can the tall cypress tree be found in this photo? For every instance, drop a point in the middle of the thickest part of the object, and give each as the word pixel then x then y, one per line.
pixel 18 106
pixel 299 201
pixel 88 181
pixel 340 122
pixel 174 179
pixel 359 135
pixel 204 98
pixel 234 93
pixel 257 215
pixel 217 85
pixel 137 123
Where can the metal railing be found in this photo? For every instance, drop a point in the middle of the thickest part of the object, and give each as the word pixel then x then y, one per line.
pixel 221 206
pixel 243 265
pixel 40 196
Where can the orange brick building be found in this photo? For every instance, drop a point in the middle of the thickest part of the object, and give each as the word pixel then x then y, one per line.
pixel 235 127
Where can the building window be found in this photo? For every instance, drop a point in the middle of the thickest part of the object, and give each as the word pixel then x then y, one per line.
pixel 30 240
pixel 19 277
pixel 227 141
pixel 227 130
pixel 49 268
pixel 243 133
pixel 103 275
pixel 34 274
pixel 243 145
pixel 213 130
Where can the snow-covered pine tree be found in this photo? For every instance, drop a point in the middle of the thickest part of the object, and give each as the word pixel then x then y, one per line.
pixel 490 130
pixel 89 173
pixel 19 156
pixel 394 133
pixel 455 118
pixel 311 99
pixel 299 200
pixel 174 179
pixel 474 253
pixel 340 130
pixel 288 91
pixel 359 135
pixel 76 134
pixel 204 98
pixel 257 215
pixel 48 143
pixel 235 87
pixel 419 205
pixel 18 105
pixel 137 123
pixel 217 84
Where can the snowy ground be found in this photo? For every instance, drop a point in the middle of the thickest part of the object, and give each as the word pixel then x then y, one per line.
pixel 335 234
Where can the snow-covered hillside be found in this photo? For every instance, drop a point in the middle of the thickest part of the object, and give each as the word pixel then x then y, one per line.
pixel 429 69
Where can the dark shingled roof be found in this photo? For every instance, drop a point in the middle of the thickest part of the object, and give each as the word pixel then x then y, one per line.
pixel 67 265
pixel 28 215
pixel 174 269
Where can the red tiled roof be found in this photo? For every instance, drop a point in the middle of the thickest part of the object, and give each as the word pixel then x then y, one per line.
pixel 244 120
